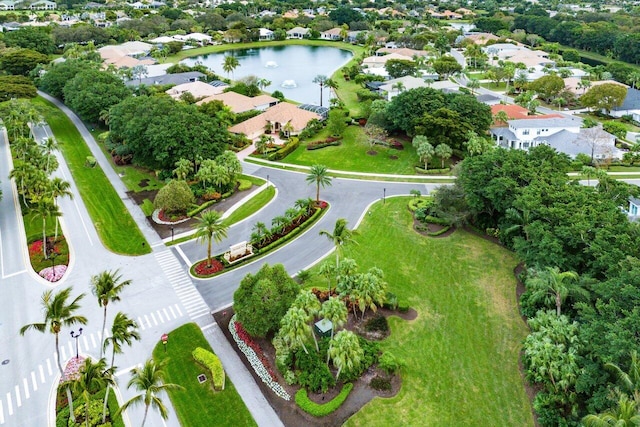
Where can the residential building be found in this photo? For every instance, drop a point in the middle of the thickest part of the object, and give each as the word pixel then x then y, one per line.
pixel 168 79
pixel 630 106
pixel 298 33
pixel 239 103
pixel 43 5
pixel 333 34
pixel 266 34
pixel 198 89
pixel 281 116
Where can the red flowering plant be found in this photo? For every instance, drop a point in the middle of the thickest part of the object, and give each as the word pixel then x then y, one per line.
pixel 246 338
pixel 35 248
pixel 203 268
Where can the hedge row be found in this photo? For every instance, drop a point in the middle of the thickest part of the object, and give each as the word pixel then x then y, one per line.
pixel 213 364
pixel 289 148
pixel 434 220
pixel 318 410
pixel 208 203
pixel 432 171
pixel 244 184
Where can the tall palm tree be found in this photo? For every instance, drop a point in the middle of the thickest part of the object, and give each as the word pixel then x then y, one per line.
pixel 107 286
pixel 626 413
pixel 93 378
pixel 588 172
pixel 336 312
pixel 320 80
pixel 305 205
pixel 345 351
pixel 319 175
pixel 629 382
pixel 230 64
pixel 558 284
pixel 184 167
pixel 308 302
pixel 58 312
pixel 328 270
pixel 50 145
pixel 211 227
pixel 59 188
pixel 340 237
pixel 149 380
pixel 371 290
pixel 45 209
pixel 123 331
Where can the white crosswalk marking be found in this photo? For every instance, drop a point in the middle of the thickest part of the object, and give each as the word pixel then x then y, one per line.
pixel 166 314
pixel 9 404
pixel 141 323
pixel 33 381
pixel 86 343
pixel 172 312
pixel 1 413
pixel 160 316
pixel 25 385
pixel 148 322
pixel 93 341
pixel 18 398
pixel 71 352
pixel 154 319
pixel 63 353
pixel 49 367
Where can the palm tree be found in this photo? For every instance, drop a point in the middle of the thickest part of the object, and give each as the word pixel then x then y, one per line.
pixel 291 214
pixel 107 286
pixel 22 172
pixel 279 223
pixel 328 270
pixel 288 129
pixel 557 284
pixel 305 205
pixel 183 169
pixel 49 145
pixel 45 209
pixel 230 64
pixel 319 174
pixel 501 117
pixel 93 378
pixel 520 220
pixel 294 328
pixel 371 290
pixel 398 87
pixel 123 331
pixel 335 311
pixel 58 312
pixel 588 172
pixel 345 351
pixel 211 227
pixel 260 231
pixel 444 152
pixel 308 302
pixel 320 80
pixel 149 381
pixel 473 84
pixel 263 83
pixel 341 236
pixel 59 188
pixel 425 151
pixel 625 414
pixel 628 381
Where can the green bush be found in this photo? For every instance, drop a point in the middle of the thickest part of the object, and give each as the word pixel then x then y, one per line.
pixel 432 171
pixel 244 184
pixel 403 308
pixel 390 301
pixel 435 220
pixel 175 197
pixel 377 323
pixel 200 208
pixel 313 373
pixel 389 363
pixel 380 383
pixel 439 232
pixel 213 364
pixel 317 410
pixel 417 203
pixel 289 148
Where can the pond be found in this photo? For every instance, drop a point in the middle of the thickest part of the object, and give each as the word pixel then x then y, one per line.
pixel 290 69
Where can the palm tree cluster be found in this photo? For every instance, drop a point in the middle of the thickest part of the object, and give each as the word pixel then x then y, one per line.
pixel 33 165
pixel 61 310
pixel 262 236
pixel 219 174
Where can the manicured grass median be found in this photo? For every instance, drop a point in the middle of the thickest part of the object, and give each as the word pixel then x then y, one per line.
pixel 115 226
pixel 461 353
pixel 198 405
pixel 252 206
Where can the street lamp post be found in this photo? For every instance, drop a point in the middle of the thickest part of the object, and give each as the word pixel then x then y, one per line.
pixel 172 233
pixel 76 336
pixel 384 196
pixel 268 180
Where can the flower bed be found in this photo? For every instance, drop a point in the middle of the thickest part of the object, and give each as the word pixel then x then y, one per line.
pixel 256 358
pixel 203 268
pixel 56 261
pixel 72 370
pixel 54 273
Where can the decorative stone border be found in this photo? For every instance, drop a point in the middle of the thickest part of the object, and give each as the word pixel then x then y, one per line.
pixel 156 218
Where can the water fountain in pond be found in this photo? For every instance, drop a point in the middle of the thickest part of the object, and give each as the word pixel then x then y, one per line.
pixel 289 84
pixel 271 64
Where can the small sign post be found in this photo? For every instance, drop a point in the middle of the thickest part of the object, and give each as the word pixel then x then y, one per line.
pixel 165 338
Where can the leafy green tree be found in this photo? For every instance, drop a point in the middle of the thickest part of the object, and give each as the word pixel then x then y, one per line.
pixel 335 311
pixel 295 329
pixel 336 124
pixel 425 152
pixel 604 97
pixel 230 164
pixel 211 227
pixel 149 379
pixel 626 413
pixel 107 287
pixel 400 68
pixel 319 175
pixel 444 126
pixel 30 38
pixel 308 302
pixel 446 66
pixel 547 87
pixel 16 87
pixel 93 91
pixel 263 299
pixel 345 351
pixel 21 61
pixel 476 144
pixel 628 382
pixel 58 313
pixel 174 198
pixel 183 169
pixel 370 290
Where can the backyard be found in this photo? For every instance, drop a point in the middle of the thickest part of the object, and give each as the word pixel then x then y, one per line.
pixel 461 353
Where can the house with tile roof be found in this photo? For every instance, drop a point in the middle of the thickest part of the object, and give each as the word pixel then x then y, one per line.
pixel 298 33
pixel 333 34
pixel 198 89
pixel 239 103
pixel 280 116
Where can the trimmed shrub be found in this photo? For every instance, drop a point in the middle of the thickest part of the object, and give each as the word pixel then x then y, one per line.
pixel 200 208
pixel 403 308
pixel 419 202
pixel 175 197
pixel 432 171
pixel 377 323
pixel 317 410
pixel 389 363
pixel 244 184
pixel 380 383
pixel 289 148
pixel 439 232
pixel 391 301
pixel 329 142
pixel 213 364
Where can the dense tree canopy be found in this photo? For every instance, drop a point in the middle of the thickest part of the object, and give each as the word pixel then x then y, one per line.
pixel 263 299
pixel 604 97
pixel 56 77
pixel 16 87
pixel 91 92
pixel 21 61
pixel 33 38
pixel 158 131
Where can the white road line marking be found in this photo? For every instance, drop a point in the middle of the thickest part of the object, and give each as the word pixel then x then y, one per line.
pixel 49 366
pixel 41 373
pixel 93 341
pixel 15 273
pixel 166 313
pixel 33 381
pixel 154 319
pixel 147 319
pixel 210 325
pixel 71 352
pixel 25 385
pixel 9 404
pixel 86 343
pixel 18 398
pixel 179 311
pixel 191 298
pixel 199 314
pixel 160 316
pixel 126 370
pixel 64 354
pixel 140 323
pixel 1 413
pixel 172 312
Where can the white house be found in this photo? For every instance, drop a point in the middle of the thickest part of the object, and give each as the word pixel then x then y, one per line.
pixel 333 34
pixel 634 208
pixel 630 106
pixel 7 5
pixel 265 34
pixel 43 5
pixel 298 33
pixel 396 86
pixel 564 134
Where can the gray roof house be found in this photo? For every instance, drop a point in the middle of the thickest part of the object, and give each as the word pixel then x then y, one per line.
pixel 630 106
pixel 564 134
pixel 298 33
pixel 168 79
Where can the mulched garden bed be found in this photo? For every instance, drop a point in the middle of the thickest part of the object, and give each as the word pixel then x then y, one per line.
pixel 432 228
pixel 290 414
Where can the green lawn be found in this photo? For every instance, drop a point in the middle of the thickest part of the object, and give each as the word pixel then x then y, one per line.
pixel 461 353
pixel 198 405
pixel 115 226
pixel 352 155
pixel 252 206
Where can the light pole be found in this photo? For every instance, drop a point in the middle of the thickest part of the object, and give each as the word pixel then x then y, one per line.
pixel 172 233
pixel 268 180
pixel 384 196
pixel 76 336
